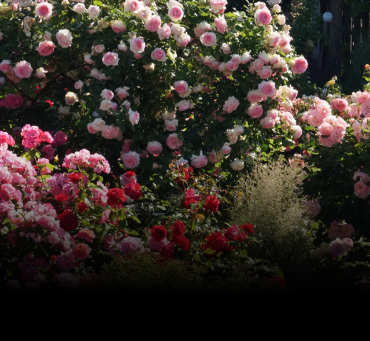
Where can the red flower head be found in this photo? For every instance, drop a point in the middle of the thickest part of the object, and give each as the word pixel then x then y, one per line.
pixel 248 227
pixel 115 196
pixel 75 177
pixel 68 221
pixel 61 197
pixel 167 251
pixel 184 243
pixel 178 228
pixel 133 190
pixel 211 203
pixel 158 232
pixel 81 206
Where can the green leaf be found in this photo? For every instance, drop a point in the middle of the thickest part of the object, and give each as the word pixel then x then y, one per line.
pixel 209 251
pixel 98 3
pixel 136 219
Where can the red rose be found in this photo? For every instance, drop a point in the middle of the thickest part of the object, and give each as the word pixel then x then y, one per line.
pixel 81 206
pixel 178 228
pixel 75 177
pixel 116 196
pixel 231 232
pixel 247 227
pixel 133 190
pixel 189 201
pixel 211 203
pixel 158 232
pixel 241 237
pixel 184 243
pixel 167 251
pixel 68 221
pixel 61 197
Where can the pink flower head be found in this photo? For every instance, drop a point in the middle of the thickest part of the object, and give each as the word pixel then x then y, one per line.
pixel 265 72
pixel 153 24
pixel 337 248
pixel 218 6
pixel 159 54
pixel 5 66
pixel 164 32
pixel 199 161
pixel 339 104
pixel 60 139
pixel 110 132
pixel 110 59
pixel 267 123
pixel 313 207
pixel 347 230
pixel 173 142
pixel 362 191
pixel 255 110
pixel 267 88
pixel 81 251
pixel 46 48
pixel 131 160
pixel 86 234
pixel 208 39
pixel 131 244
pixel 231 104
pixel 64 38
pixel 300 65
pixel 154 148
pixel 137 45
pixel 180 86
pixel 263 16
pixel 23 69
pixel 175 12
pixel 365 178
pixel 221 24
pixel 133 6
pixel 44 9
pixel 255 96
pixel 48 151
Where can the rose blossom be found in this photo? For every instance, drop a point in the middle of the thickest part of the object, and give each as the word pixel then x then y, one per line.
pixel 118 26
pixel 64 38
pixel 267 122
pixel 154 148
pixel 137 45
pixel 226 149
pixel 131 244
pixel 199 161
pixel 134 117
pixel 339 104
pixel 105 105
pixel 255 96
pixel 201 28
pixel 40 72
pixel 237 164
pixel 246 57
pixel 208 39
pixel 265 72
pixel 93 11
pixel 79 8
pixel 267 88
pixel 263 16
pixel 98 48
pixel 173 142
pixel 184 105
pixel 45 48
pixel 153 24
pixel 171 125
pixel 131 159
pixel 122 92
pixel 23 69
pixel 231 104
pixel 98 124
pixel 299 65
pixel 218 6
pixel 133 6
pixel 221 24
pixel 362 191
pixel 79 85
pixel 255 110
pixel 5 66
pixel 231 65
pixel 110 58
pixel 175 12
pixel 164 32
pixel 110 132
pixel 44 10
pixel 159 54
pixel 180 86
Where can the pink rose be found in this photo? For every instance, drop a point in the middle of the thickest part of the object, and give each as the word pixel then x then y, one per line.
pixel 118 26
pixel 362 191
pixel 64 38
pixel 173 142
pixel 46 48
pixel 110 132
pixel 133 6
pixel 184 105
pixel 153 24
pixel 131 244
pixel 5 66
pixel 107 94
pixel 300 65
pixel 232 66
pixel 171 125
pixel 339 104
pixel 199 161
pixel 79 8
pixel 263 16
pixel 255 110
pixel 267 122
pixel 218 6
pixel 175 13
pixel 231 104
pixel 297 131
pixel 183 40
pixel 180 86
pixel 159 54
pixel 288 118
pixel 265 72
pixel 110 58
pixel 164 32
pixel 48 152
pixel 325 129
pixel 221 24
pixel 285 39
pixel 255 96
pixel 154 148
pixel 267 88
pixel 134 117
pixel 156 246
pixel 208 39
pixel 91 129
pixel 60 139
pixel 131 159
pixel 137 45
pixel 122 92
pixel 226 149
pixel 23 69
pixel 44 9
pixel 347 230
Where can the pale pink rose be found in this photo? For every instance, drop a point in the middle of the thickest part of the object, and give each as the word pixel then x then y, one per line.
pixel 267 123
pixel 218 6
pixel 313 207
pixel 45 48
pixel 339 104
pixel 93 11
pixel 110 132
pixel 231 66
pixel 300 65
pixel 175 13
pixel 164 32
pixel 184 105
pixel 99 48
pixel 255 110
pixel 222 67
pixel 274 40
pixel 236 58
pixel 87 58
pixel 288 118
pixel 232 136
pixel 131 244
pixel 363 177
pixel 71 98
pixel 239 129
pixel 326 141
pixel 110 58
pixel 183 40
pixel 64 38
pixel 362 191
pixel 180 86
pixel 284 40
pixel 231 104
pixel 131 160
pixel 255 96
pixel 79 8
pixel 215 157
pixel 267 88
pixel 264 57
pixel 258 64
pixel 263 16
pixel 5 66
pixel 199 161
pixel 105 105
pixel 315 118
pixel 137 45
pixel 154 148
pixel 275 58
pixel 44 10
pixel 122 92
pixel 297 131
pixel 208 39
pixel 226 48
pixel 246 57
pixel 281 19
pixel 281 64
pixel 201 28
pixel 159 54
pixel 107 94
pixel 265 72
pixel 347 230
pixel 23 69
pixel 348 242
pixel 173 142
pixel 156 246
pixel 153 24
pixel 133 6
pixel 287 48
pixel 134 117
pixel 118 26
pixel 291 93
pixel 171 125
pixel 226 149
pixel 221 24
pixel 337 248
pixel 259 5
pixel 362 97
pixel 79 85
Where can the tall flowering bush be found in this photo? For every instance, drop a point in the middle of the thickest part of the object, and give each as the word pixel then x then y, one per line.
pixel 148 78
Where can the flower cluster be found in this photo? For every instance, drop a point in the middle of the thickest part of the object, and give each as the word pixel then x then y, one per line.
pixel 33 136
pixel 83 159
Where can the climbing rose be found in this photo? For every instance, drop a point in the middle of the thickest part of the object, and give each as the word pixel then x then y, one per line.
pixel 211 203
